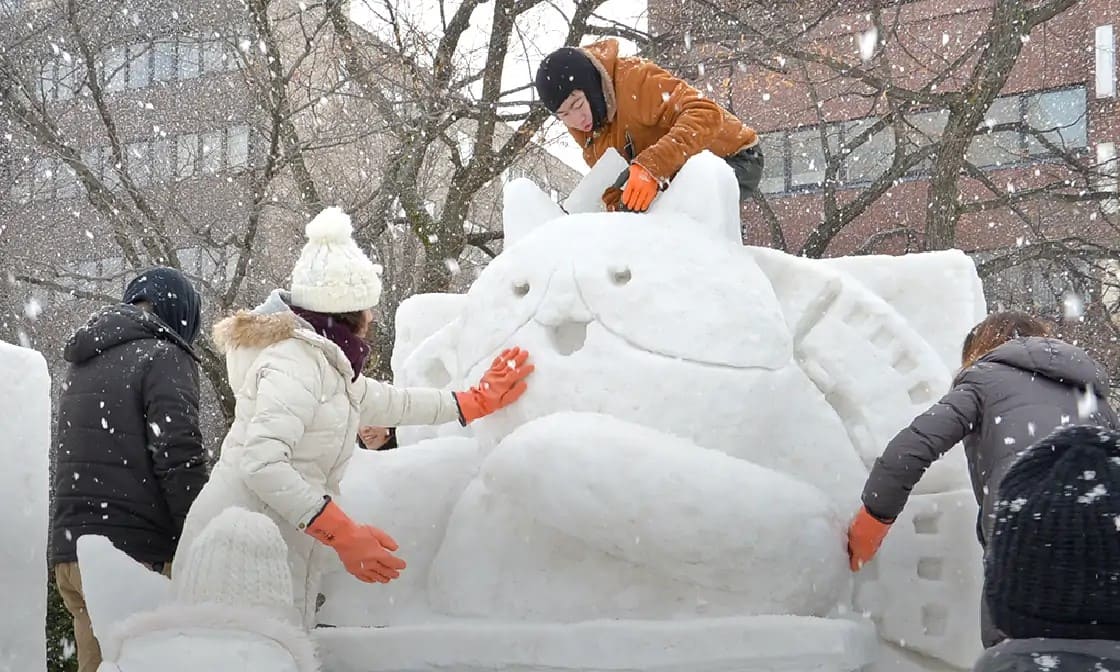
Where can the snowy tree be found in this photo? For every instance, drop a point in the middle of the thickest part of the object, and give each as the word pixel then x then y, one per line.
pixel 204 137
pixel 908 127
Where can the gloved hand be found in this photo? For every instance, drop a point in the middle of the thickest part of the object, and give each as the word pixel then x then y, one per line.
pixel 640 189
pixel 365 551
pixel 865 535
pixel 501 385
pixel 612 199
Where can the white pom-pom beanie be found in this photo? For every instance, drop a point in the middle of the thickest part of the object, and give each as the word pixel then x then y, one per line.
pixel 239 559
pixel 332 275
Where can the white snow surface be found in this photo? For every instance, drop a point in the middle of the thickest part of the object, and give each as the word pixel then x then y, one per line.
pixel 25 420
pixel 695 436
pixel 116 586
pixel 750 644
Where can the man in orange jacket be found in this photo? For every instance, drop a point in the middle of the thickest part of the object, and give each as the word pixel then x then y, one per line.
pixel 654 120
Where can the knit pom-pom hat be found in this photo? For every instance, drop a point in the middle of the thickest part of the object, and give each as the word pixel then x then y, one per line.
pixel 332 274
pixel 1053 563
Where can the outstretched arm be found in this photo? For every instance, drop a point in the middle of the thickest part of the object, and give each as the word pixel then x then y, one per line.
pixel 916 447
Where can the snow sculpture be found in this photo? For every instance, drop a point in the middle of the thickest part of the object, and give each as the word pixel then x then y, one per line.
pixel 25 397
pixel 229 607
pixel 699 427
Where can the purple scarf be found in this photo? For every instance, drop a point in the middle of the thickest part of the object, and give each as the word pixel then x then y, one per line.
pixel 356 350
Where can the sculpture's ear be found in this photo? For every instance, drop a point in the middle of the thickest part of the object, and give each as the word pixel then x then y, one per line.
pixel 706 191
pixel 588 194
pixel 525 207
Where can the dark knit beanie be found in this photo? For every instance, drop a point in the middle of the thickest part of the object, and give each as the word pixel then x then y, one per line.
pixel 566 70
pixel 1053 563
pixel 174 299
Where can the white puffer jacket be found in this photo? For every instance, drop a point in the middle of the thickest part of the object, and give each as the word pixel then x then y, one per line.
pixel 294 429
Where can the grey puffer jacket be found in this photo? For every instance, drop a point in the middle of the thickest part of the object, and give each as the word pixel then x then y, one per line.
pixel 1050 655
pixel 1010 398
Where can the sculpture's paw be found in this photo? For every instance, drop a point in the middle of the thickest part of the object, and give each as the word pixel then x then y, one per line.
pixel 662 503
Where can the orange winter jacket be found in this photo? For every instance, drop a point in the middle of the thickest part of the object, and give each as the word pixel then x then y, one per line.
pixel 665 120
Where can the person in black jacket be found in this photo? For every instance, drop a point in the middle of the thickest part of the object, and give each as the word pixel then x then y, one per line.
pixel 1016 384
pixel 129 458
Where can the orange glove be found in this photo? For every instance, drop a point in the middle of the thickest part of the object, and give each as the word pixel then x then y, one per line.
pixel 501 385
pixel 363 549
pixel 612 198
pixel 640 189
pixel 865 535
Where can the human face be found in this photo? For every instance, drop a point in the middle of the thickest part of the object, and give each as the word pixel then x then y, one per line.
pixel 367 320
pixel 575 112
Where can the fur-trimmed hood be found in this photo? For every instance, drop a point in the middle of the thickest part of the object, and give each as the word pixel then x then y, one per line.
pixel 243 335
pixel 269 323
pixel 216 619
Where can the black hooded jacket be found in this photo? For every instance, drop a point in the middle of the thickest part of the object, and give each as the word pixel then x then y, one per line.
pixel 129 458
pixel 1010 398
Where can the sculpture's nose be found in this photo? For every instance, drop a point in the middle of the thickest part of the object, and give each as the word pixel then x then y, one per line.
pixel 564 315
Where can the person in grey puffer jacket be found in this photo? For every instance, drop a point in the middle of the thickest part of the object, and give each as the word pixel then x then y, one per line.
pixel 1016 385
pixel 1053 562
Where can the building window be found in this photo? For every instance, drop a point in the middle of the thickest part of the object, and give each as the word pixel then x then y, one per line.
pixel 190 59
pixel 162 160
pixel 163 60
pixel 774 167
pixel 997 148
pixel 139 70
pixel 186 151
pixel 870 160
pixel 237 147
pixel 213 56
pixel 1061 114
pixel 212 152
pixel 1105 52
pixel 114 69
pixel 138 155
pixel 148 162
pixel 806 164
pixel 795 158
pixel 925 128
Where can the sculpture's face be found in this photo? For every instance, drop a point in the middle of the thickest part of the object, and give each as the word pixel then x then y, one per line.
pixel 623 324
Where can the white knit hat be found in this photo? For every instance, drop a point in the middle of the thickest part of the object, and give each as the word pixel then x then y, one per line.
pixel 332 275
pixel 238 559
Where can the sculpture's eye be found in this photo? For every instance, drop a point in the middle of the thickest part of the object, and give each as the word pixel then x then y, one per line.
pixel 520 288
pixel 620 276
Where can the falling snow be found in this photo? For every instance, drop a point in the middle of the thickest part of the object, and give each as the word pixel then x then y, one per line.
pixel 868 41
pixel 32 309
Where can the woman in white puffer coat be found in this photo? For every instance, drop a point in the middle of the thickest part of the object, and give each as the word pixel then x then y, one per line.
pixel 294 364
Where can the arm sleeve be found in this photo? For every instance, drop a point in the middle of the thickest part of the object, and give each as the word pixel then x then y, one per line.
pixel 693 119
pixel 285 406
pixel 171 419
pixel 910 453
pixel 386 406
